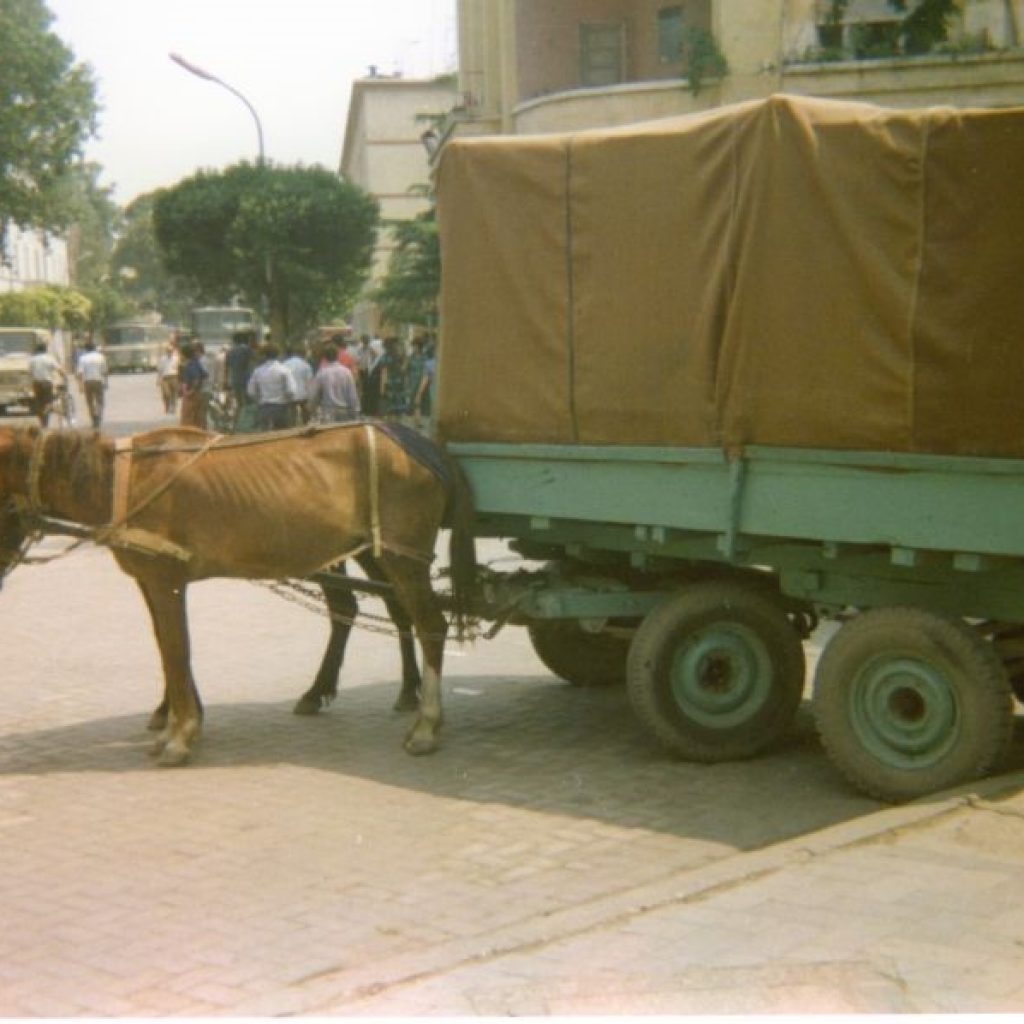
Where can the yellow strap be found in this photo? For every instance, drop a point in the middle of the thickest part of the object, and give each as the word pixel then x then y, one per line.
pixel 374 492
pixel 123 446
pixel 35 473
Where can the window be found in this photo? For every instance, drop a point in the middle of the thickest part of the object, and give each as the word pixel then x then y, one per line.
pixel 601 53
pixel 670 34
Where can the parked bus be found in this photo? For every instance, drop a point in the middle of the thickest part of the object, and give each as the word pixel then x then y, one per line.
pixel 215 325
pixel 135 347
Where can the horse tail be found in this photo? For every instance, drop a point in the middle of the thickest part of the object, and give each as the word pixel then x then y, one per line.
pixel 461 546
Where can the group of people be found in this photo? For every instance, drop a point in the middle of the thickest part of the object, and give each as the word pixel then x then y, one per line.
pixel 47 375
pixel 336 382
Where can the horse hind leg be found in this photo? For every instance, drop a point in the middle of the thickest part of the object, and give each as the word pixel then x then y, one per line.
pixel 409 695
pixel 411 580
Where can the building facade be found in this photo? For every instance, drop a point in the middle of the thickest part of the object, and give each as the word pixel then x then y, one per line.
pixel 31 259
pixel 534 66
pixel 384 153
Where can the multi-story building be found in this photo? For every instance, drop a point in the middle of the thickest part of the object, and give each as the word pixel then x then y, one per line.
pixel 383 152
pixel 536 66
pixel 31 259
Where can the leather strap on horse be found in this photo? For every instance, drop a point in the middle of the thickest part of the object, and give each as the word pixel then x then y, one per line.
pixel 119 533
pixel 374 491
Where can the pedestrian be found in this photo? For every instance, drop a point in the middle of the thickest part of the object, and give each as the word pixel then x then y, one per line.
pixel 333 397
pixel 45 373
pixel 92 380
pixel 413 375
pixel 193 399
pixel 272 388
pixel 394 399
pixel 302 374
pixel 167 377
pixel 372 378
pixel 345 357
pixel 241 359
pixel 423 401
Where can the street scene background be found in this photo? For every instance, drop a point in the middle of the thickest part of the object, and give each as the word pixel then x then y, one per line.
pixel 549 859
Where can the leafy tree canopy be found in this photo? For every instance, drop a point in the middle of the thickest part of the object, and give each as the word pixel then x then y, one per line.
pixel 49 306
pixel 47 111
pixel 409 292
pixel 136 265
pixel 298 240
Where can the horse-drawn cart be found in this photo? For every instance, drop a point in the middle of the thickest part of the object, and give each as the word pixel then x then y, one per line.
pixel 732 374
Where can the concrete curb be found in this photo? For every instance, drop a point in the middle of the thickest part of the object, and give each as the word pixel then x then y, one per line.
pixel 331 991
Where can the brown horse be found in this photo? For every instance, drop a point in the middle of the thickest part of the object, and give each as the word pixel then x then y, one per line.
pixel 179 505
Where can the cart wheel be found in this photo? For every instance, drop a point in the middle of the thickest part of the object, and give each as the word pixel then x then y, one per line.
pixel 908 702
pixel 579 657
pixel 716 672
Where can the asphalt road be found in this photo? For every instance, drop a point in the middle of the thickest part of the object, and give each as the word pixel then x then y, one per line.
pixel 292 849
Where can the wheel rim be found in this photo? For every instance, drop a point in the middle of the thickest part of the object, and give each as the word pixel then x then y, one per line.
pixel 905 712
pixel 722 676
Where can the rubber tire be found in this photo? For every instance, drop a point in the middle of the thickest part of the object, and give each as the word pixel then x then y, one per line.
pixel 579 657
pixel 683 623
pixel 942 657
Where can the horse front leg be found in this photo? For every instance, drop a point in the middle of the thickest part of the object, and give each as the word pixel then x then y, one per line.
pixel 343 608
pixel 181 710
pixel 411 580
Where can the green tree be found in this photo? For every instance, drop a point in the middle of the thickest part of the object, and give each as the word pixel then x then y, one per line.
pixel 95 222
pixel 926 24
pixel 409 291
pixel 137 266
pixel 49 306
pixel 297 240
pixel 47 111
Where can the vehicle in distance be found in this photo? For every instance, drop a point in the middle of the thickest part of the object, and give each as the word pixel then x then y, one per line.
pixel 214 326
pixel 134 347
pixel 16 347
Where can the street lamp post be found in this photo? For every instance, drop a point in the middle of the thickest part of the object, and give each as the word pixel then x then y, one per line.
pixel 200 73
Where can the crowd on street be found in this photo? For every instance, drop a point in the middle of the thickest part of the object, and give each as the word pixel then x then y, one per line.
pixel 251 385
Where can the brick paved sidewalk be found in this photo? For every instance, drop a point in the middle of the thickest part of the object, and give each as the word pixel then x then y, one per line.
pixel 911 909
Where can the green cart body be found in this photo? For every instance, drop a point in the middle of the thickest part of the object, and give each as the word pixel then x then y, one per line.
pixel 729 375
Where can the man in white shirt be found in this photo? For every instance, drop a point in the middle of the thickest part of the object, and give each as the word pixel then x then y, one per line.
pixel 45 373
pixel 167 377
pixel 92 379
pixel 272 388
pixel 302 374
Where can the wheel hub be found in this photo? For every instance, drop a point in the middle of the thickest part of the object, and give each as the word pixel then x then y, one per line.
pixel 905 712
pixel 722 676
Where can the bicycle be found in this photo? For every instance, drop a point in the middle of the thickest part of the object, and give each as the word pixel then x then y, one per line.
pixel 62 407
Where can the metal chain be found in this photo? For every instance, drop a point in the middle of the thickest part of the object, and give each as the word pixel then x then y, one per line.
pixel 311 597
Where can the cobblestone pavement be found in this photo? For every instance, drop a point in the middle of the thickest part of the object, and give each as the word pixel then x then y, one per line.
pixel 547 860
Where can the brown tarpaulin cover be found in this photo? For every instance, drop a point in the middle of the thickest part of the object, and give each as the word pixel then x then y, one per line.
pixel 782 272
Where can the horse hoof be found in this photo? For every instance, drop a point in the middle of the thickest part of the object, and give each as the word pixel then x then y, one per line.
pixel 418 746
pixel 172 757
pixel 307 706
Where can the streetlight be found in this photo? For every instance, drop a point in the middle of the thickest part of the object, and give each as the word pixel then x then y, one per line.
pixel 200 73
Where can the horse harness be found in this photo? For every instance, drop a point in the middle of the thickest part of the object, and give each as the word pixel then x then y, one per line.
pixel 119 534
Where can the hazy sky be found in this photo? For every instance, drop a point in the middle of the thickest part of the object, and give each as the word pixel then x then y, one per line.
pixel 294 60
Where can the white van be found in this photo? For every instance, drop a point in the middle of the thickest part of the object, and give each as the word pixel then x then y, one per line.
pixel 16 347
